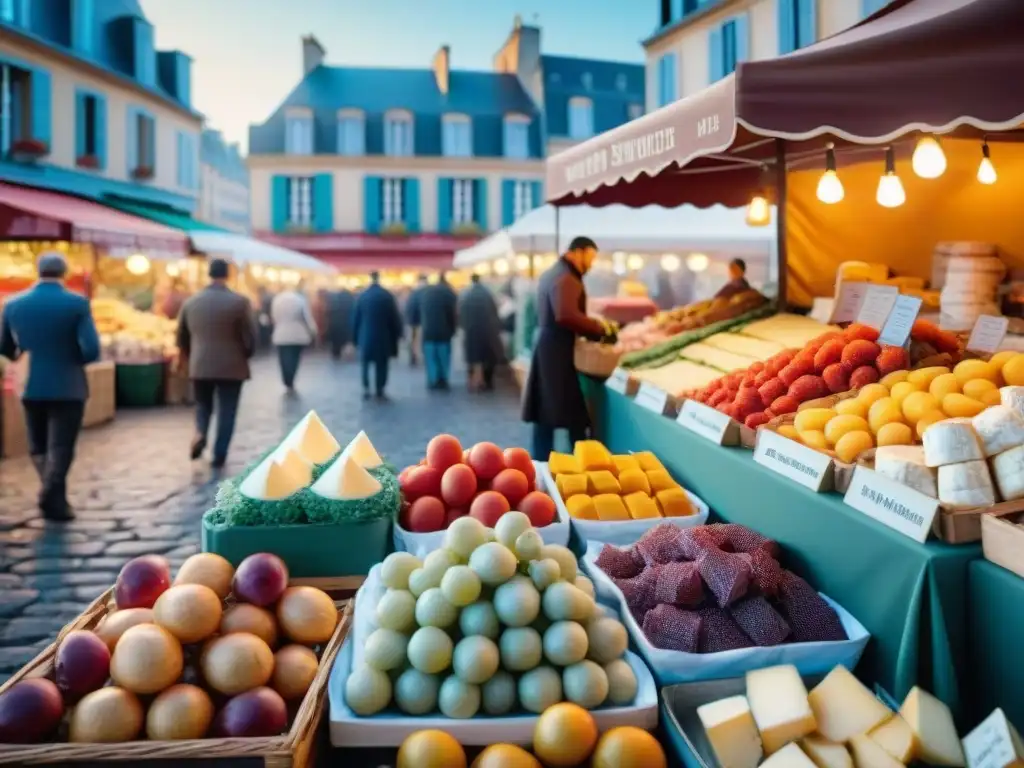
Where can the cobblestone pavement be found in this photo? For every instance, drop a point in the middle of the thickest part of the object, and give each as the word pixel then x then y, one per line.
pixel 135 491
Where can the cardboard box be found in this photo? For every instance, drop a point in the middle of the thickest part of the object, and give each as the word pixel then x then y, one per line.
pixel 14 441
pixel 100 406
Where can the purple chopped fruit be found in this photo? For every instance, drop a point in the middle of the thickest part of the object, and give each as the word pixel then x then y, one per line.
pixel 760 622
pixel 718 632
pixel 727 575
pixel 672 629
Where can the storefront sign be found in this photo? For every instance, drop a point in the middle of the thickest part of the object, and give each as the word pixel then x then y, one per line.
pixel 806 466
pixel 618 381
pixel 653 399
pixel 622 153
pixel 992 744
pixel 901 319
pixel 893 504
pixel 705 421
pixel 847 305
pixel 987 334
pixel 877 304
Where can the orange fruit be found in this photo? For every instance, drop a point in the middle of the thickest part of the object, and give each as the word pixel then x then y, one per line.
pixel 430 749
pixel 628 747
pixel 505 756
pixel 564 736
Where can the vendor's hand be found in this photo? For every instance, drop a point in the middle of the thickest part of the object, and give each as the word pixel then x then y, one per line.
pixel 610 338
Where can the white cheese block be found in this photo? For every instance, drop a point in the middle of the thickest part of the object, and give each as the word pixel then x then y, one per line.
pixel 897 738
pixel 825 753
pixel 1013 397
pixel 906 465
pixel 790 756
pixel 270 481
pixel 1008 472
pixel 843 707
pixel 362 450
pixel 729 725
pixel 312 440
pixel 999 428
pixel 345 480
pixel 966 485
pixel 951 442
pixel 867 754
pixel 932 722
pixel 778 701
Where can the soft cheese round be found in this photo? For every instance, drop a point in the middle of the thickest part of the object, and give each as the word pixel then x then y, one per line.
pixel 952 441
pixel 906 465
pixel 1008 471
pixel 966 485
pixel 1013 397
pixel 999 428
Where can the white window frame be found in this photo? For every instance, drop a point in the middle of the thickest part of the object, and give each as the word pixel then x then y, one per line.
pixel 522 199
pixel 456 135
pixel 300 201
pixel 462 201
pixel 298 132
pixel 399 133
pixel 519 126
pixel 581 117
pixel 351 132
pixel 392 201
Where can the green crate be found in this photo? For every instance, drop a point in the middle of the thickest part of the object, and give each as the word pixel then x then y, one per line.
pixel 139 385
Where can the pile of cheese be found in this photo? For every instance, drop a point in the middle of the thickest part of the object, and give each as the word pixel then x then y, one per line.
pixel 839 724
pixel 130 336
pixel 878 274
pixel 965 461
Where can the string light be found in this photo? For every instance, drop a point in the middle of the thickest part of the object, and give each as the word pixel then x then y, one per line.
pixel 759 212
pixel 635 262
pixel 830 188
pixel 986 171
pixel 137 264
pixel 929 161
pixel 890 192
pixel 670 262
pixel 501 267
pixel 697 262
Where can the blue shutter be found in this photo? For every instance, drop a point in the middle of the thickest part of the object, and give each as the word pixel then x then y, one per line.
pixel 132 135
pixel 371 204
pixel 444 205
pixel 716 55
pixel 480 203
pixel 411 193
pixel 22 13
pixel 41 106
pixel 537 196
pixel 741 24
pixel 151 144
pixel 101 130
pixel 508 202
pixel 787 26
pixel 323 202
pixel 279 203
pixel 82 26
pixel 673 77
pixel 80 126
pixel 807 22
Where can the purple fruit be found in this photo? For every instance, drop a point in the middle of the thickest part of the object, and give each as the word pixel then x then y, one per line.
pixel 141 581
pixel 260 579
pixel 30 711
pixel 82 665
pixel 259 712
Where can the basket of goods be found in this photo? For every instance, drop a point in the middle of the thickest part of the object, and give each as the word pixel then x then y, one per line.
pixel 714 601
pixel 325 511
pixel 218 663
pixel 478 639
pixel 616 499
pixel 482 482
pixel 595 358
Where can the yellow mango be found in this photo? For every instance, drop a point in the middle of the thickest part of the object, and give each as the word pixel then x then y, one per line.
pixel 917 404
pixel 788 430
pixel 840 425
pixel 882 412
pixel 999 359
pixel 895 433
pixel 927 420
pixel 891 379
pixel 581 507
pixel 976 388
pixel 812 419
pixel 1013 371
pixel 852 444
pixel 961 406
pixel 923 376
pixel 990 398
pixel 966 370
pixel 943 385
pixel 904 388
pixel 814 439
pixel 852 406
pixel 869 393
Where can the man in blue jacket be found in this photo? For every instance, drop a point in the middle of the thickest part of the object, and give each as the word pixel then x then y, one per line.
pixel 377 329
pixel 55 328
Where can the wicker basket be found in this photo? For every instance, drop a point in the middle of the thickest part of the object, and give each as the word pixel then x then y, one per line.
pixel 596 359
pixel 293 749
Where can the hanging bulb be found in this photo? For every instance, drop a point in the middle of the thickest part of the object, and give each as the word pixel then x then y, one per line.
pixel 758 211
pixel 830 187
pixel 890 189
pixel 929 161
pixel 986 171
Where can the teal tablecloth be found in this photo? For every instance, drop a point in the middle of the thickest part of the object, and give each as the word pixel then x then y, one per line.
pixel 996 599
pixel 911 597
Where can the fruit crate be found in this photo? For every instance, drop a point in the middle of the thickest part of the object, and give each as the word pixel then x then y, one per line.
pixel 296 748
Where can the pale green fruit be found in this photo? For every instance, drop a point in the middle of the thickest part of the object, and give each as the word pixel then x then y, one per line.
pixel 476 659
pixel 564 601
pixel 622 683
pixel 565 643
pixel 539 689
pixel 608 640
pixel 499 694
pixel 458 699
pixel 430 650
pixel 493 563
pixel 395 570
pixel 564 557
pixel 529 545
pixel 367 691
pixel 521 649
pixel 585 683
pixel 517 602
pixel 416 692
pixel 464 535
pixel 510 527
pixel 460 585
pixel 586 585
pixel 480 619
pixel 544 573
pixel 385 649
pixel 397 610
pixel 439 561
pixel 434 610
pixel 421 580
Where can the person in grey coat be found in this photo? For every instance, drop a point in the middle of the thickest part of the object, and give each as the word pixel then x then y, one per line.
pixel 216 339
pixel 481 334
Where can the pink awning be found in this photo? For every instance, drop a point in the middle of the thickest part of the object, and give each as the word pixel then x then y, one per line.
pixel 357 252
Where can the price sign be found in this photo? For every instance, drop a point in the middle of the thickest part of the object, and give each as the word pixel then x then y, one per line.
pixel 893 504
pixel 992 744
pixel 619 381
pixel 650 397
pixel 987 334
pixel 901 319
pixel 877 304
pixel 705 421
pixel 847 304
pixel 806 466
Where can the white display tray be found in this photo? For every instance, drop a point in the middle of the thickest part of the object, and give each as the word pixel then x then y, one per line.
pixel 390 728
pixel 622 532
pixel 421 544
pixel 670 667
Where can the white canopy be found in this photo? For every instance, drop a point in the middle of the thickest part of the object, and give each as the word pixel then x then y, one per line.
pixel 620 228
pixel 244 250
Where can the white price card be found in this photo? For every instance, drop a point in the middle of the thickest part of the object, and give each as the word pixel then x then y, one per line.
pixel 993 744
pixel 877 304
pixel 988 333
pixel 705 421
pixel 789 458
pixel 893 504
pixel 847 304
pixel 901 319
pixel 650 397
pixel 618 381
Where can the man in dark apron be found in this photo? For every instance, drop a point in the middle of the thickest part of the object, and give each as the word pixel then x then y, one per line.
pixel 552 398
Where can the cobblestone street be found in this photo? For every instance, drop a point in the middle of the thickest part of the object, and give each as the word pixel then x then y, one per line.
pixel 135 492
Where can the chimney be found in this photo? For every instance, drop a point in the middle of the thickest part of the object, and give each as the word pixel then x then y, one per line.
pixel 441 65
pixel 312 54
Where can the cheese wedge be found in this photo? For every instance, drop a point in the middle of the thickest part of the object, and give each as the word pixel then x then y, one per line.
pixel 296 465
pixel 730 728
pixel 362 450
pixel 825 753
pixel 867 754
pixel 896 738
pixel 312 440
pixel 932 723
pixel 843 707
pixel 345 480
pixel 790 756
pixel 270 481
pixel 778 701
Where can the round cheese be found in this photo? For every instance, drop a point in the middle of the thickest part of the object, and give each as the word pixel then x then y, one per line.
pixel 999 428
pixel 1013 397
pixel 906 465
pixel 952 441
pixel 966 486
pixel 1008 470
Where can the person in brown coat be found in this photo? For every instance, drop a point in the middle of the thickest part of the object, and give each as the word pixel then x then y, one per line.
pixel 216 338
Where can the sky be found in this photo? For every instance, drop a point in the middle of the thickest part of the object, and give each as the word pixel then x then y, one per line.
pixel 247 53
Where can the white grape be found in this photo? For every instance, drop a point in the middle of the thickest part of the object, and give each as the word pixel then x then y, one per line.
pixel 464 535
pixel 430 650
pixel 434 610
pixel 397 610
pixel 439 561
pixel 395 570
pixel 529 545
pixel 510 527
pixel 460 586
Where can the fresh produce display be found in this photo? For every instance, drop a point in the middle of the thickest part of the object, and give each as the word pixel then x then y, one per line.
pixel 492 623
pixel 838 724
pixel 482 482
pixel 599 486
pixel 716 588
pixel 205 646
pixel 130 336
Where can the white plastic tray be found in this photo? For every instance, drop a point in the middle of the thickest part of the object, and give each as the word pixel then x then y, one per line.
pixel 671 667
pixel 390 728
pixel 622 532
pixel 421 544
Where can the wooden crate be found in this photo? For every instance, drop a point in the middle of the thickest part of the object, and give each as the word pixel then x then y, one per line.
pixel 295 748
pixel 100 406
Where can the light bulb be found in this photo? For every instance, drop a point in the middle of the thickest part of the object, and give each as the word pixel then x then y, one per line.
pixel 830 188
pixel 635 262
pixel 670 262
pixel 697 262
pixel 759 212
pixel 137 264
pixel 986 171
pixel 890 191
pixel 501 267
pixel 929 161
pixel 522 262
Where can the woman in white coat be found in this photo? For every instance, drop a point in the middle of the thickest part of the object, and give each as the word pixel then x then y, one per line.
pixel 294 330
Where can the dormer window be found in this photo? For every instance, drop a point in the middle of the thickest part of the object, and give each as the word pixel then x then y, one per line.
pixel 581 118
pixel 351 132
pixel 298 131
pixel 457 136
pixel 398 134
pixel 517 137
pixel 588 80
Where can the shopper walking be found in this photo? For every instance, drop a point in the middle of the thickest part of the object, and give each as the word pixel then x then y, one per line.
pixel 216 339
pixel 438 324
pixel 552 398
pixel 339 320
pixel 294 330
pixel 412 319
pixel 481 334
pixel 377 329
pixel 54 327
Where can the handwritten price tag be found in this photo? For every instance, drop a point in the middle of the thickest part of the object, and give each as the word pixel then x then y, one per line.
pixel 992 744
pixel 893 504
pixel 619 381
pixel 653 399
pixel 847 305
pixel 901 319
pixel 705 421
pixel 988 333
pixel 878 303
pixel 804 465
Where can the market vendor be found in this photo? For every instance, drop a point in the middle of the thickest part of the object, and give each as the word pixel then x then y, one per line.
pixel 737 280
pixel 552 398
